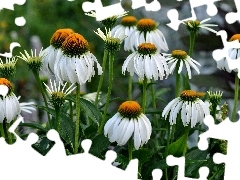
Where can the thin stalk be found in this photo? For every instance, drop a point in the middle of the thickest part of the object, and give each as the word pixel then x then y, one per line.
pixel 2 130
pixel 105 56
pixel 168 142
pixel 77 123
pixel 57 111
pixel 144 95
pixel 36 75
pixel 9 135
pixel 129 87
pixel 192 41
pixel 235 98
pixel 178 82
pixel 110 83
pixel 186 133
pixel 154 104
pixel 130 149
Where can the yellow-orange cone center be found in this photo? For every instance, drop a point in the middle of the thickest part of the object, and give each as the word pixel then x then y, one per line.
pixel 130 109
pixel 179 54
pixel 75 45
pixel 146 24
pixel 59 36
pixel 129 21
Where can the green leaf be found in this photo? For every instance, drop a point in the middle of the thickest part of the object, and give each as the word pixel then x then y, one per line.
pixel 43 145
pixel 67 129
pixel 99 144
pixel 91 111
pixel 34 125
pixel 178 147
pixel 194 160
pixel 143 155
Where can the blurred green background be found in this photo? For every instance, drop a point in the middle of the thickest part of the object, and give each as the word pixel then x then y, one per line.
pixel 46 16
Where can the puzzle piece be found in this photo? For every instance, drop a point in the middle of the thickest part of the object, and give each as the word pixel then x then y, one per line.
pixel 153 6
pixel 102 12
pixel 173 14
pixel 9 4
pixel 12 46
pixel 232 158
pixel 157 174
pixel 220 54
pixel 79 165
pixel 232 17
pixel 180 162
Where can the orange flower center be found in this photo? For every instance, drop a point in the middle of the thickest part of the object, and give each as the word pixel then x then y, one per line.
pixel 179 54
pixel 146 24
pixel 147 48
pixel 59 36
pixel 6 82
pixel 129 21
pixel 130 109
pixel 235 37
pixel 189 95
pixel 75 45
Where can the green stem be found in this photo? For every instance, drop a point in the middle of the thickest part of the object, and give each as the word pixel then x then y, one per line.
pixel 77 123
pixel 186 133
pixel 9 135
pixel 235 98
pixel 105 56
pixel 144 95
pixel 178 82
pixel 130 149
pixel 36 75
pixel 57 111
pixel 110 82
pixel 154 103
pixel 192 41
pixel 129 87
pixel 2 130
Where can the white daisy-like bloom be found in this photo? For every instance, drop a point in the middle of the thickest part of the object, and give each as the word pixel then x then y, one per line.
pixel 146 31
pixel 146 62
pixel 33 60
pixel 51 51
pixel 195 25
pixel 129 123
pixel 58 92
pixel 74 62
pixel 189 106
pixel 27 106
pixel 179 58
pixel 7 68
pixel 128 24
pixel 233 53
pixel 9 104
pixel 112 41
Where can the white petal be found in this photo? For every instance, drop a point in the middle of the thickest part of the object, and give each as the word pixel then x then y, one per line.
pixel 137 138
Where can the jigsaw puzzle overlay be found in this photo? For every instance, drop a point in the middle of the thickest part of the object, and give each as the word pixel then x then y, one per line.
pixel 85 163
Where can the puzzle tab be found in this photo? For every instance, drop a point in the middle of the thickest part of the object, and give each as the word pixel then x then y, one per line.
pixel 220 54
pixel 232 17
pixel 229 131
pixel 173 14
pixel 180 162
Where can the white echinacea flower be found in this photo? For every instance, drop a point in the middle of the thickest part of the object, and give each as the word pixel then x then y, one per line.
pixel 146 32
pixel 189 106
pixel 112 41
pixel 9 104
pixel 129 123
pixel 58 93
pixel 51 51
pixel 74 62
pixel 146 62
pixel 127 25
pixel 195 25
pixel 178 58
pixel 233 53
